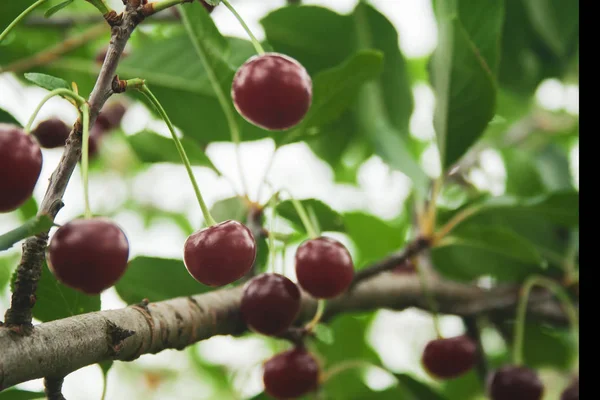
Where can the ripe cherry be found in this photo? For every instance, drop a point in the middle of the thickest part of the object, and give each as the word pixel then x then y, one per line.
pixel 51 133
pixel 572 391
pixel 513 382
pixel 450 357
pixel 110 117
pixel 270 303
pixel 220 254
pixel 291 374
pixel 272 91
pixel 324 267
pixel 89 255
pixel 20 166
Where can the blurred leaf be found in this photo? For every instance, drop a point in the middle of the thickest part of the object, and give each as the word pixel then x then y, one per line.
pixel 556 21
pixel 328 219
pixel 554 167
pixel 157 279
pixel 475 251
pixel 216 374
pixel 539 338
pixel 11 10
pixel 57 301
pixel 466 387
pixel 234 208
pixel 464 87
pixel 151 147
pixel 29 209
pixel 54 9
pixel 8 264
pixel 47 82
pixel 413 389
pixel 373 237
pixel 30 228
pixel 7 118
pixel 522 175
pixel 18 394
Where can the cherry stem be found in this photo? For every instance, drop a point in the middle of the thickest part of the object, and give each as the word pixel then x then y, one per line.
pixel 210 221
pixel 255 42
pixel 56 92
pixel 346 365
pixel 430 300
pixel 85 146
pixel 318 315
pixel 19 18
pixel 224 101
pixel 453 223
pixel 563 297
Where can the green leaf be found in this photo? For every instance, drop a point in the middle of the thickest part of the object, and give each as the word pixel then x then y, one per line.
pixel 522 175
pixel 57 301
pixel 234 208
pixel 18 394
pixel 556 21
pixel 464 88
pixel 46 81
pixel 327 218
pixel 414 389
pixel 157 279
pixel 335 89
pixel 8 264
pixel 29 209
pixel 475 251
pixel 151 147
pixel 7 118
pixel 466 387
pixel 30 228
pixel 374 238
pixel 539 338
pixel 54 9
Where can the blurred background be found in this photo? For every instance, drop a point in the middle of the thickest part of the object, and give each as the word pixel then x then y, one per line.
pixel 227 367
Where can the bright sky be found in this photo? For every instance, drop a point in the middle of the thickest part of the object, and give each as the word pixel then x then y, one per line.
pixel 380 192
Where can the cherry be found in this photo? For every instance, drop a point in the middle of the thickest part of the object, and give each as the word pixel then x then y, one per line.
pixel 450 357
pixel 51 133
pixel 572 391
pixel 110 117
pixel 89 255
pixel 291 374
pixel 220 254
pixel 20 166
pixel 272 91
pixel 270 303
pixel 324 267
pixel 513 382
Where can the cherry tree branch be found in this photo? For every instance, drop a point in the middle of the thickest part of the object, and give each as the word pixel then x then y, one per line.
pixel 59 347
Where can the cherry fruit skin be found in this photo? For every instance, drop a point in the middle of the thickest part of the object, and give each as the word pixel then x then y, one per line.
pixel 89 255
pixel 291 374
pixel 324 267
pixel 449 358
pixel 20 166
pixel 220 254
pixel 110 117
pixel 272 91
pixel 51 133
pixel 572 391
pixel 270 303
pixel 515 383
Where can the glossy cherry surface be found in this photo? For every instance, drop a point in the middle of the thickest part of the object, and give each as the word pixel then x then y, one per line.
pixel 270 303
pixel 324 267
pixel 513 382
pixel 291 374
pixel 51 133
pixel 220 254
pixel 111 115
pixel 272 91
pixel 571 392
pixel 20 166
pixel 89 255
pixel 449 357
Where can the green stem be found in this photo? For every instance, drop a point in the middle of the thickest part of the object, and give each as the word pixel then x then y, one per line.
pixel 184 158
pixel 221 97
pixel 346 365
pixel 522 311
pixel 100 5
pixel 255 42
pixel 62 92
pixel 430 301
pixel 162 5
pixel 19 18
pixel 85 112
pixel 318 315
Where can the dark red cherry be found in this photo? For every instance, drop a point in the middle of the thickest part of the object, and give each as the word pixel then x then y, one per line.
pixel 270 303
pixel 51 133
pixel 324 267
pixel 450 357
pixel 220 254
pixel 513 382
pixel 571 392
pixel 20 166
pixel 208 7
pixel 89 255
pixel 111 115
pixel 291 374
pixel 272 91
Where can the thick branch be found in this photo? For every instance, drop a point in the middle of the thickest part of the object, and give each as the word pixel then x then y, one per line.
pixel 30 268
pixel 60 347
